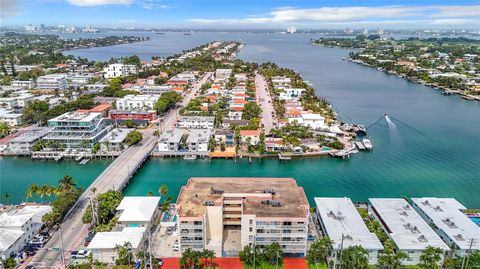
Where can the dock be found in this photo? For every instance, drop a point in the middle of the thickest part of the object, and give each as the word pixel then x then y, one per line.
pixel 282 157
pixel 360 145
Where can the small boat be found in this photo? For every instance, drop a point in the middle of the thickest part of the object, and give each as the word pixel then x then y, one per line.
pixel 190 157
pixel 84 161
pixel 367 143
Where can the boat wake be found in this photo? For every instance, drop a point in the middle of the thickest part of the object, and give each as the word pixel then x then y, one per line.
pixel 390 123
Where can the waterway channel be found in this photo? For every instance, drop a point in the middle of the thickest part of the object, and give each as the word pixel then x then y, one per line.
pixel 431 149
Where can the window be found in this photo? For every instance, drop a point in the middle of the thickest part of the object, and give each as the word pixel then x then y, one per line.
pixel 250 222
pixel 250 229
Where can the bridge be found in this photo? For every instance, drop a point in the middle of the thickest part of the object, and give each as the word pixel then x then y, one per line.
pixel 115 177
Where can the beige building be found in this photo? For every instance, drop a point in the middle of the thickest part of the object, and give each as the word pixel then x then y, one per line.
pixel 226 214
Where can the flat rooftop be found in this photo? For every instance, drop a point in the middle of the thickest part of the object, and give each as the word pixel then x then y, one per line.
pixel 108 240
pixel 254 191
pixel 31 135
pixel 341 218
pixel 172 136
pixel 116 135
pixel 405 226
pixel 199 136
pixel 138 208
pixel 76 116
pixel 446 214
pixel 197 118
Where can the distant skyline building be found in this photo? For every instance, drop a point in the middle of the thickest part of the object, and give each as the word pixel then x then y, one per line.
pixel 291 29
pixel 364 31
pixel 348 31
pixel 380 31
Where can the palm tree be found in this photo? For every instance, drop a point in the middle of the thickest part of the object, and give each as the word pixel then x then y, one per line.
pixel 389 258
pixel 431 257
pixel 156 133
pixel 319 250
pixel 33 190
pixel 355 257
pixel 124 253
pixel 273 253
pixel 5 198
pixel 163 190
pixel 66 183
pixel 209 256
pixel 190 259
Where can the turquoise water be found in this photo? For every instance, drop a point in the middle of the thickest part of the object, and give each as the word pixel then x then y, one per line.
pixel 16 174
pixel 476 220
pixel 432 149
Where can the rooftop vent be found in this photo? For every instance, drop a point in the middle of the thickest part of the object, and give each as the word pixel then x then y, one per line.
pixel 271 191
pixel 404 213
pixel 331 214
pixel 438 208
pixel 422 238
pixel 426 202
pixel 209 203
pixel 407 207
pixel 459 237
pixel 272 203
pixel 348 237
pixel 215 191
pixel 449 223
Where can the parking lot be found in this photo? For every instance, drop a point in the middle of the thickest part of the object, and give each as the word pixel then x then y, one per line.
pixel 163 244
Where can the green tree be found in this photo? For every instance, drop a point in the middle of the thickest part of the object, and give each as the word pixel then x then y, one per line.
pixel 391 258
pixel 9 263
pixel 209 256
pixel 129 123
pixel 190 259
pixel 318 252
pixel 355 257
pixel 431 257
pixel 251 110
pixel 248 256
pixel 273 254
pixel 133 138
pixel 4 129
pixel 66 183
pixel 163 190
pixel 124 254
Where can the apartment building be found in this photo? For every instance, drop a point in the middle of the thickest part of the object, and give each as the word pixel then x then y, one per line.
pixel 77 129
pixel 52 82
pixel 25 84
pixel 405 227
pixel 170 140
pixel 196 122
pixel 449 222
pixel 16 100
pixel 10 117
pixel 226 214
pixel 119 70
pixel 341 222
pixel 137 102
pixel 198 139
pixel 23 143
pixel 18 226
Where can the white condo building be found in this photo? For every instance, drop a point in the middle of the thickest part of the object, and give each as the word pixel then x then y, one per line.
pixel 137 102
pixel 451 224
pixel 52 82
pixel 119 70
pixel 226 214
pixel 341 222
pixel 77 129
pixel 196 122
pixel 405 227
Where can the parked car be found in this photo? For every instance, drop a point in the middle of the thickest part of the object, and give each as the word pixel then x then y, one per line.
pixel 89 238
pixel 81 254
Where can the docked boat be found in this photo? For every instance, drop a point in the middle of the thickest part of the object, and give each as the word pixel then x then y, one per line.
pixel 360 145
pixel 190 157
pixel 367 143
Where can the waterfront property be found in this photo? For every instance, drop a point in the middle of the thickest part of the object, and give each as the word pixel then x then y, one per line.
pixel 18 226
pixel 23 143
pixel 135 211
pixel 114 140
pixel 77 129
pixel 405 227
pixel 341 222
pixel 170 140
pixel 198 139
pixel 226 214
pixel 10 117
pixel 451 224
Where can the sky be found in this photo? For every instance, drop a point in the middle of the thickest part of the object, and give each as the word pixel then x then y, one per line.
pixel 306 14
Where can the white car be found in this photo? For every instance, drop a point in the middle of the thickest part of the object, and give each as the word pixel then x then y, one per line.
pixel 81 254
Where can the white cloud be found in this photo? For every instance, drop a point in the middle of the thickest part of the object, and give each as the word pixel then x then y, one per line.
pixel 285 15
pixel 99 2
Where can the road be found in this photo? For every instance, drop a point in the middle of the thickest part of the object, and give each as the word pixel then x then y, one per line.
pixel 168 121
pixel 115 176
pixel 73 230
pixel 264 100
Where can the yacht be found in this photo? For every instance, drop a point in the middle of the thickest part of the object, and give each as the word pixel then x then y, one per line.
pixel 368 145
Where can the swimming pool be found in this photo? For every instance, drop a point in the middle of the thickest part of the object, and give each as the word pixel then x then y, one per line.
pixel 476 220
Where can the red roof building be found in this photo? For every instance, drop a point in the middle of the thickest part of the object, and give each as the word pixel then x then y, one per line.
pixel 150 115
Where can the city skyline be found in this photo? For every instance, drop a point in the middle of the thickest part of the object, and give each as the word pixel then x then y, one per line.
pixel 243 14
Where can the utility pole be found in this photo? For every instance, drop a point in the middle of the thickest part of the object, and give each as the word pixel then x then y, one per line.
pixel 467 257
pixel 62 254
pixel 341 250
pixel 150 247
pixel 254 252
